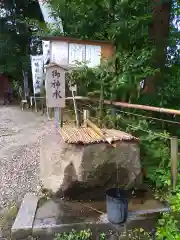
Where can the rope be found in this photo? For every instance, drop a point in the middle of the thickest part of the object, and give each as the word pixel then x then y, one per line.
pixel 138 115
pixel 156 134
pixel 153 118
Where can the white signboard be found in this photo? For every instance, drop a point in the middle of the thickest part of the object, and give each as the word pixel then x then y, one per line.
pixel 59 52
pixel 76 53
pixel 55 87
pixel 64 53
pixel 93 55
pixel 37 72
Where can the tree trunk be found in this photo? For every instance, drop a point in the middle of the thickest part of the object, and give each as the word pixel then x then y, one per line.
pixel 159 32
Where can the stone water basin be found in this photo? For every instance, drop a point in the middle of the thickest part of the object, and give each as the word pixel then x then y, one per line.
pixel 81 213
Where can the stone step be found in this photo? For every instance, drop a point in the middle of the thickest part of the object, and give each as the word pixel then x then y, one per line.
pixel 23 223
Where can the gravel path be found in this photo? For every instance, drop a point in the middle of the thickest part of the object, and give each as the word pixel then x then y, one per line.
pixel 20 134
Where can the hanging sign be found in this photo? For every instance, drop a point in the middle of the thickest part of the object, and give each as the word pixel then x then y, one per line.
pixel 55 87
pixel 37 72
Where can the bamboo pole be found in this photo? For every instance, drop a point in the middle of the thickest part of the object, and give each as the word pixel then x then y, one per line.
pixel 130 105
pixel 75 109
pixel 113 112
pixel 99 131
pixel 174 161
pixel 85 116
pixel 144 107
pixel 101 103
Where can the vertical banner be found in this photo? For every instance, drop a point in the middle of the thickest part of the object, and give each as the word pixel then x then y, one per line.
pixel 46 51
pixel 37 72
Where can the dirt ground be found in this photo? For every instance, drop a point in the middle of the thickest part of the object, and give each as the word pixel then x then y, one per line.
pixel 20 134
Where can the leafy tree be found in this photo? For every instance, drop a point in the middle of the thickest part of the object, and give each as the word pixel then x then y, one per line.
pixel 125 23
pixel 141 32
pixel 15 21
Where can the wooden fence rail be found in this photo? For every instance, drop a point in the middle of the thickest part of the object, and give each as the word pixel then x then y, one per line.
pixel 130 105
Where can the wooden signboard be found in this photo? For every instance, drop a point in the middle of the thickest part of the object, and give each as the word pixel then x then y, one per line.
pixel 68 51
pixel 55 86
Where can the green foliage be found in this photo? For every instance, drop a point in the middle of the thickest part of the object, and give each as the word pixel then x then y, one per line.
pixel 168 224
pixel 82 235
pixel 155 151
pixel 124 23
pixel 135 234
pixel 127 25
pixel 168 228
pixel 15 36
pixel 120 77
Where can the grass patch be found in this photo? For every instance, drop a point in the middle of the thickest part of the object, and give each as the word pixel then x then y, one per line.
pixel 8 215
pixel 6 220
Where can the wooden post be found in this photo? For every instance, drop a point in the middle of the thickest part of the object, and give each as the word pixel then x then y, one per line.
pixel 61 117
pixel 56 115
pixel 51 112
pixel 101 103
pixel 85 116
pixel 35 103
pixel 174 161
pixel 75 109
pixel 113 112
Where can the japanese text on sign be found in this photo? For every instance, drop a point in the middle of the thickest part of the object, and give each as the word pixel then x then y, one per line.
pixel 55 87
pixel 37 72
pixel 56 84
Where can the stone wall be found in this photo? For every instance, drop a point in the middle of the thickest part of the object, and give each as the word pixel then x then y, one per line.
pixel 63 165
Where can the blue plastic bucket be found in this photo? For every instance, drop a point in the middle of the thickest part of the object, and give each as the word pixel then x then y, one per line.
pixel 117 205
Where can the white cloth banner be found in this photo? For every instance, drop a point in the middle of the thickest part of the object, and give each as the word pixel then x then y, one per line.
pixel 46 51
pixel 37 72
